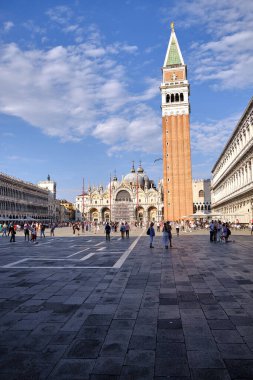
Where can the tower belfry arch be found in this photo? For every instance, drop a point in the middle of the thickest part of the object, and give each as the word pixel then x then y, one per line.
pixel 177 173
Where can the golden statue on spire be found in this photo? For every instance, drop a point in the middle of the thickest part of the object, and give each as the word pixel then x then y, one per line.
pixel 172 26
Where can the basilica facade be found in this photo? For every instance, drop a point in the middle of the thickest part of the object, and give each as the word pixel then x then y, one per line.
pixel 134 198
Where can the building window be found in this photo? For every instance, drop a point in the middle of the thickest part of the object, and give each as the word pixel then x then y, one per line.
pixel 201 193
pixel 167 98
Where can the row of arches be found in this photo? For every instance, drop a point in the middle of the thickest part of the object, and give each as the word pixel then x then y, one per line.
pixel 238 143
pixel 94 215
pixel 171 98
pixel 202 208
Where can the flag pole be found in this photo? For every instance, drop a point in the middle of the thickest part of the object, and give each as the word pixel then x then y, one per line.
pixel 83 199
pixel 110 198
pixel 137 196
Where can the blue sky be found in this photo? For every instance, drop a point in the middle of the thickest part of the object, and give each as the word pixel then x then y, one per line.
pixel 79 84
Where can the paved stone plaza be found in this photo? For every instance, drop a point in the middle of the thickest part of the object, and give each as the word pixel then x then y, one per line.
pixel 83 308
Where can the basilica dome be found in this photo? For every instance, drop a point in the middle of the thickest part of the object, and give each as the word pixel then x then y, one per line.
pixel 114 183
pixel 134 178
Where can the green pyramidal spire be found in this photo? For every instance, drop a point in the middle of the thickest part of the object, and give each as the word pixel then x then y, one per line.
pixel 173 56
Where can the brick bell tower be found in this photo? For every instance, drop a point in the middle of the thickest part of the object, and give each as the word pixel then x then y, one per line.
pixel 177 174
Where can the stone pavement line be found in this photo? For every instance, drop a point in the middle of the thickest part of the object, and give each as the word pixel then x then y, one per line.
pixel 123 258
pixel 16 262
pixel 87 256
pixel 76 253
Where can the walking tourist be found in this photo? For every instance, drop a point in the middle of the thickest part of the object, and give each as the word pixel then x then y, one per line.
pixel 4 230
pixel 107 231
pixel 33 233
pixel 151 233
pixel 177 228
pixel 12 232
pixel 42 230
pixel 26 231
pixel 122 230
pixel 211 228
pixel 219 232
pixel 52 230
pixel 167 235
pixel 224 233
pixel 127 228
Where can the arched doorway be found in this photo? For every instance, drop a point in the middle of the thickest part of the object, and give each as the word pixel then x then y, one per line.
pixel 152 214
pixel 106 214
pixel 94 216
pixel 139 214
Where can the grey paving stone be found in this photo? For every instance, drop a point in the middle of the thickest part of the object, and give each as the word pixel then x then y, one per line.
pixel 116 343
pixel 104 377
pixel 76 369
pixel 235 351
pixel 227 336
pixel 47 328
pixel 93 332
pixel 171 367
pixel 171 350
pixel 169 323
pixel 242 320
pixel 84 348
pixel 108 365
pixel 197 331
pixel 170 335
pixel 239 369
pixel 63 337
pixel 202 359
pixel 209 374
pixel 98 320
pixel 201 343
pixel 130 372
pixel 122 324
pixel 221 324
pixel 214 312
pixel 140 358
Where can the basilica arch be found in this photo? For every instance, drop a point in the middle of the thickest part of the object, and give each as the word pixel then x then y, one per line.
pixel 94 215
pixel 152 214
pixel 139 214
pixel 123 196
pixel 106 214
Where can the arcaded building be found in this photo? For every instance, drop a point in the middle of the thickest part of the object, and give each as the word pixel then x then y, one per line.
pixel 177 172
pixel 232 183
pixel 22 200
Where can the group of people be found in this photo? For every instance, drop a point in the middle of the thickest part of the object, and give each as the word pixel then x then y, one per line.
pixel 31 230
pixel 219 232
pixel 124 230
pixel 166 234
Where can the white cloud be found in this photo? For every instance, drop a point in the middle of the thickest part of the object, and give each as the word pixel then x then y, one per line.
pixel 8 25
pixel 139 132
pixel 78 90
pixel 209 139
